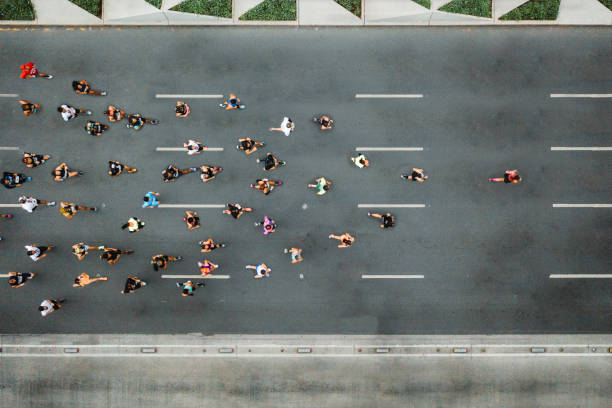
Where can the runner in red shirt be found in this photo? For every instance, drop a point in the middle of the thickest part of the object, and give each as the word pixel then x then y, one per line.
pixel 29 70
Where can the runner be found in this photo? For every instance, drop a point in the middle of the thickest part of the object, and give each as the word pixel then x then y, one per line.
pixel 194 147
pixel 510 176
pixel 209 172
pixel 115 168
pixel 12 180
pixel 325 122
pixel 360 161
pixel 387 219
pixel 114 114
pixel 287 126
pixel 150 200
pixel 322 185
pixel 62 172
pixel 346 240
pixel 209 245
pixel 236 210
pixel 30 70
pixel 171 173
pixel 18 279
pixel 296 254
pixel 29 107
pixel 111 255
pixel 70 112
pixel 6 216
pixel 268 224
pixel 248 145
pixel 68 210
pixel 133 225
pixel 192 219
pixel 37 252
pixel 261 270
pixel 83 280
pixel 416 175
pixel 83 88
pixel 161 261
pixel 232 103
pixel 132 283
pixel 30 204
pixel 270 162
pixel 182 109
pixel 189 287
pixel 32 160
pixel 137 122
pixel 50 305
pixel 207 267
pixel 265 185
pixel 80 250
pixel 95 128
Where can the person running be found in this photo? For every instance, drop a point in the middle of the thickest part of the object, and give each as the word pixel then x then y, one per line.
pixel 83 280
pixel 268 225
pixel 322 185
pixel 270 162
pixel 287 126
pixel 80 250
pixel 248 145
pixel 360 160
pixel 261 270
pixel 136 121
pixel 133 225
pixel 266 186
pixel 111 255
pixel 209 245
pixel 32 160
pixel 12 180
pixel 192 219
pixel 83 88
pixel 194 147
pixel 30 204
pixel 115 168
pixel 161 261
pixel 325 122
pixel 68 210
pixel 50 305
pixel 171 173
pixel 189 287
pixel 182 109
pixel 6 216
pixel 70 112
pixel 114 114
pixel 346 240
pixel 62 172
pixel 18 279
pixel 30 70
pixel 387 219
pixel 132 283
pixel 37 252
pixel 28 107
pixel 209 172
pixel 150 200
pixel 510 176
pixel 236 210
pixel 95 128
pixel 233 102
pixel 296 254
pixel 416 175
pixel 207 267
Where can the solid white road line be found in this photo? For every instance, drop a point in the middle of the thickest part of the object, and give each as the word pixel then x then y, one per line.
pixel 9 95
pixel 8 148
pixel 4 275
pixel 580 149
pixel 9 205
pixel 184 149
pixel 191 206
pixel 581 95
pixel 389 149
pixel 392 276
pixel 385 96
pixel 582 205
pixel 581 276
pixel 391 205
pixel 195 277
pixel 185 96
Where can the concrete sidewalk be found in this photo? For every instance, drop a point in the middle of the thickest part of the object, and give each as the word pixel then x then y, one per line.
pixel 309 13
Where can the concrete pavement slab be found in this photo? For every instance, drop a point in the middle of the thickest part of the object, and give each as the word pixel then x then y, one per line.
pixel 242 6
pixel 119 9
pixel 501 7
pixel 436 4
pixel 158 18
pixel 180 18
pixel 583 12
pixel 413 19
pixel 325 12
pixel 381 9
pixel 168 4
pixel 444 18
pixel 62 12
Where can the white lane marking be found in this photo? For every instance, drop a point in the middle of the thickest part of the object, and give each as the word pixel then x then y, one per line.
pixel 391 205
pixel 195 277
pixel 581 95
pixel 581 276
pixel 191 206
pixel 185 96
pixel 9 205
pixel 582 205
pixel 389 149
pixel 184 149
pixel 9 95
pixel 392 276
pixel 409 96
pixel 9 148
pixel 4 275
pixel 580 149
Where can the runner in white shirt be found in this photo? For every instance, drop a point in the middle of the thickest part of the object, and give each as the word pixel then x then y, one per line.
pixel 287 126
pixel 70 112
pixel 49 306
pixel 37 252
pixel 194 147
pixel 29 204
pixel 261 270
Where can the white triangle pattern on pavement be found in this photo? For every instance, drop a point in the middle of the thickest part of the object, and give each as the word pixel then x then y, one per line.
pixel 583 12
pixel 242 6
pixel 504 6
pixel 382 9
pixel 321 12
pixel 62 12
pixel 118 9
pixel 436 4
pixel 168 4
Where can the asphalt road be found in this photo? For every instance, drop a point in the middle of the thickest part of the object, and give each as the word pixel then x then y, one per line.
pixel 486 250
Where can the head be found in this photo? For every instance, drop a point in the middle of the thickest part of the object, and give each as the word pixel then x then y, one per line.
pixel 22 199
pixel 146 199
pixel 107 113
pixel 30 253
pixel 77 281
pixel 180 108
pixel 12 280
pixel 60 109
pixel 75 85
pixel 42 308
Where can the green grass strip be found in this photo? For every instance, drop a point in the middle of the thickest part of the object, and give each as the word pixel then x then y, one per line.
pixel 607 3
pixel 534 10
pixel 16 10
pixel 272 10
pixel 217 8
pixel 354 6
pixel 478 8
pixel 92 6
pixel 424 3
pixel 156 3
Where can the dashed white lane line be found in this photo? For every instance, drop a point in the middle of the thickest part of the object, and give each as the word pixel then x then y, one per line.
pixel 392 276
pixel 195 277
pixel 9 205
pixel 388 149
pixel 186 96
pixel 582 205
pixel 581 276
pixel 581 149
pixel 9 148
pixel 391 205
pixel 4 275
pixel 184 149
pixel 581 95
pixel 191 206
pixel 385 96
pixel 9 95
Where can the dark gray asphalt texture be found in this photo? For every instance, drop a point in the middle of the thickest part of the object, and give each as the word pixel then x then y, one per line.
pixel 486 249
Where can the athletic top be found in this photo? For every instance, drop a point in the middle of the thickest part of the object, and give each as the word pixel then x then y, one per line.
pixel 30 204
pixel 48 305
pixel 68 113
pixel 260 270
pixel 287 126
pixel 115 167
pixel 28 69
pixel 34 249
pixel 18 279
pixel 321 186
pixel 152 200
pixel 246 144
pixel 387 221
